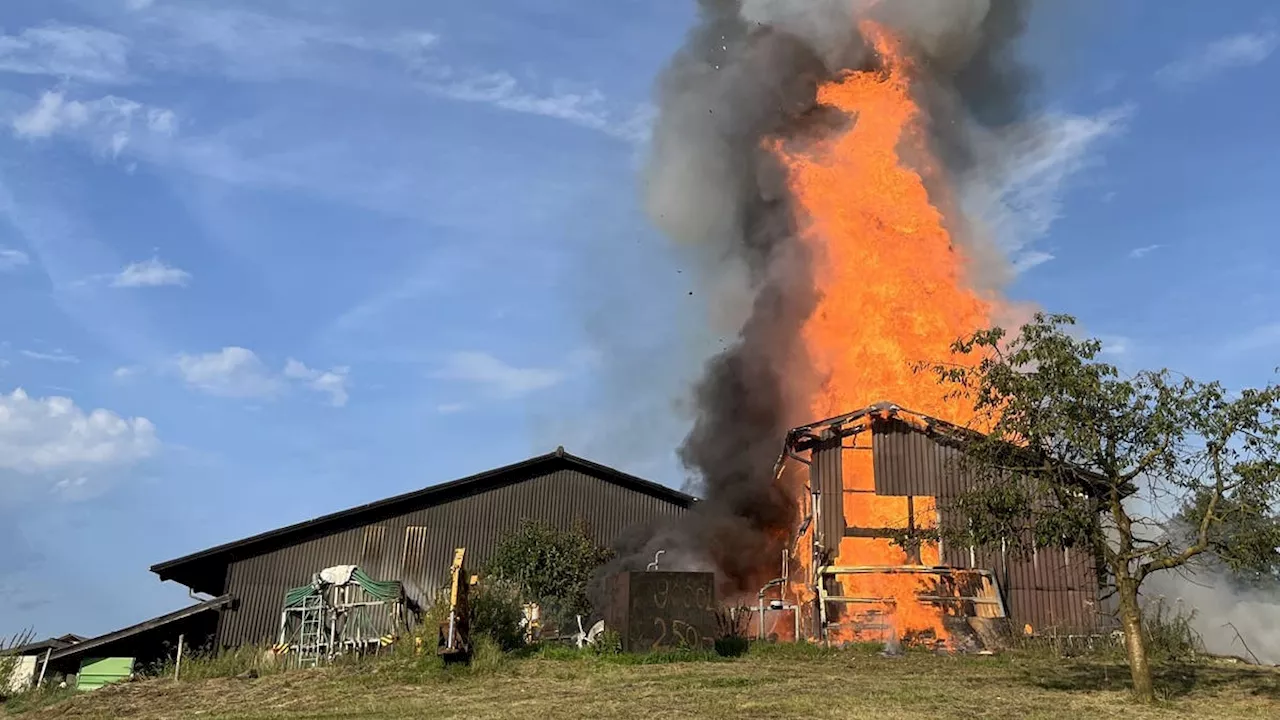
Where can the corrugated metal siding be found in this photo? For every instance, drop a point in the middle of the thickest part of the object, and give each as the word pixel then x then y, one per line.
pixel 908 462
pixel 416 547
pixel 826 473
pixel 1052 590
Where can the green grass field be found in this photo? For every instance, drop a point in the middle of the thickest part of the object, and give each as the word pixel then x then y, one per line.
pixel 777 682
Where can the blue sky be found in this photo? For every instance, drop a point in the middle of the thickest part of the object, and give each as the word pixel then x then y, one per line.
pixel 265 260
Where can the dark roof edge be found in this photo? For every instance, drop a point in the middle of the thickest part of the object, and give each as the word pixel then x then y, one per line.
pixel 215 604
pixel 606 473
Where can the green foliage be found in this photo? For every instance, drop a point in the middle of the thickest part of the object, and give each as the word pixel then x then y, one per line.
pixel 1068 441
pixel 1170 636
pixel 496 613
pixel 731 646
pixel 487 656
pixel 608 642
pixel 1065 451
pixel 551 567
pixel 8 661
pixel 229 662
pixel 37 698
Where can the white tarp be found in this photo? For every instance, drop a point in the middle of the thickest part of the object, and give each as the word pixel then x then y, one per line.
pixel 338 574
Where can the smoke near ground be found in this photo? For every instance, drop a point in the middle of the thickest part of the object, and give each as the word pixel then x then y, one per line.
pixel 1222 608
pixel 748 72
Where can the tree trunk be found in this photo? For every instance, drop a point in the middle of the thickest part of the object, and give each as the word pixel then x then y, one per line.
pixel 1135 642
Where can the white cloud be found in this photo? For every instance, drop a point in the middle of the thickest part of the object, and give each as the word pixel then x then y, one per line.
pixel 12 259
pixel 239 372
pixel 64 51
pixel 1231 52
pixel 150 273
pixel 56 356
pixel 495 377
pixel 1016 196
pixel 1145 250
pixel 230 372
pixel 52 434
pixel 138 4
pixel 332 382
pixel 125 372
pixel 109 123
pixel 450 408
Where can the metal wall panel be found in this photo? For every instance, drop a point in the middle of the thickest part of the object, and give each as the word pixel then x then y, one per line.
pixel 416 547
pixel 826 473
pixel 908 462
pixel 1051 590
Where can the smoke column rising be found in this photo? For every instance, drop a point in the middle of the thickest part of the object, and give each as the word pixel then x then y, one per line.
pixel 748 72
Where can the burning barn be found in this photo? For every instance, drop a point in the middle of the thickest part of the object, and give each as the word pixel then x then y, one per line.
pixel 837 171
pixel 879 482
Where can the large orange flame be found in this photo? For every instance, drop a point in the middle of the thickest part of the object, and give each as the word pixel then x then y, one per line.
pixel 892 293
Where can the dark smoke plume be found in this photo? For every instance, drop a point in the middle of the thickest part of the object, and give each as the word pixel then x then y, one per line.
pixel 747 73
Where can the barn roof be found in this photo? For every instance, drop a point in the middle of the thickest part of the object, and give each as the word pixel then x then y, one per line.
pixel 189 568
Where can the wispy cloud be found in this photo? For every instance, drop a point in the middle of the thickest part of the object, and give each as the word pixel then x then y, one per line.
pixel 1228 53
pixel 588 109
pixel 1261 338
pixel 246 44
pixel 1028 260
pixel 1018 194
pixel 1145 250
pixel 65 51
pixel 494 377
pixel 239 373
pixel 150 273
pixel 110 122
pixel 125 372
pixel 332 382
pixel 450 408
pixel 56 356
pixel 1116 345
pixel 12 259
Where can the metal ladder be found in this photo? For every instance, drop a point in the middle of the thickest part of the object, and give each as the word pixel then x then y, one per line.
pixel 311 631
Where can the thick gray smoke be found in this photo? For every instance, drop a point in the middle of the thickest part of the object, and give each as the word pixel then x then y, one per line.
pixel 749 72
pixel 1222 608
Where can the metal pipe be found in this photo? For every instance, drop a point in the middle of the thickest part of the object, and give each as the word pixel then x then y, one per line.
pixel 177 666
pixel 760 601
pixel 654 565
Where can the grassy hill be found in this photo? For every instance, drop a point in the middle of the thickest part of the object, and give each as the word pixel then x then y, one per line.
pixel 773 682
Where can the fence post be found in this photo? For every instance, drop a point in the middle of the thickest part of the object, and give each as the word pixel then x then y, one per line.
pixel 177 667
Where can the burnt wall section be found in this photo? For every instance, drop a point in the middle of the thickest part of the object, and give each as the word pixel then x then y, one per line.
pixel 1052 590
pixel 415 546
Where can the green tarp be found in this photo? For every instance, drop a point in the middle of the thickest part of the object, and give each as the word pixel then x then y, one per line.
pixel 293 597
pixel 387 591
